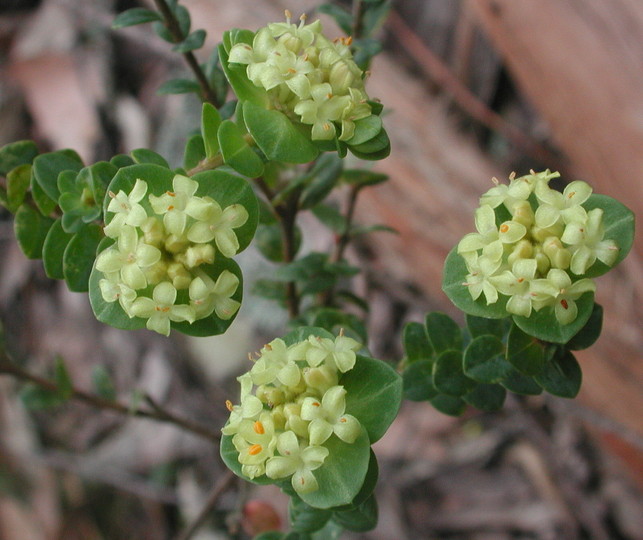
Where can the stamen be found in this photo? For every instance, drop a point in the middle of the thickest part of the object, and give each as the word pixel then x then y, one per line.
pixel 571 194
pixel 111 194
pixel 504 228
pixel 564 303
pixel 255 449
pixel 348 40
pixel 495 181
pixel 292 70
pixel 228 405
pixel 316 404
pixel 342 420
pixel 288 15
pixel 170 208
pixel 341 332
pixel 258 427
pixel 326 126
pixel 520 280
pixel 170 193
pixel 513 175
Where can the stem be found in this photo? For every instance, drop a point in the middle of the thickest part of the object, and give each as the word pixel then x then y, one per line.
pixel 156 412
pixel 358 16
pixel 218 489
pixel 287 214
pixel 173 27
pixel 343 240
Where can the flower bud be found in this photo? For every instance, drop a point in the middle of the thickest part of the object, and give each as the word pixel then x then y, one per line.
pixel 522 250
pixel 340 77
pixel 180 277
pixel 199 254
pixel 522 213
pixel 153 233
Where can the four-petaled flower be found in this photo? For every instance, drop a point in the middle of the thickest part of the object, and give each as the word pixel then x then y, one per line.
pixel 216 224
pixel 557 289
pixel 161 309
pixel 296 459
pixel 327 416
pixel 127 209
pixel 340 352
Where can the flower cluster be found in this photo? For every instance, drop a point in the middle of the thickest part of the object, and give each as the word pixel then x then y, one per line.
pixel 280 428
pixel 160 244
pixel 537 257
pixel 307 76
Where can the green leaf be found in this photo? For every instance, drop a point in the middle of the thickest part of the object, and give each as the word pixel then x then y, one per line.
pixel 342 475
pixel 524 352
pixel 484 360
pixel 53 249
pixel 31 229
pixel 335 320
pixel 416 342
pixel 443 332
pixel 236 151
pixel 17 153
pixel 481 326
pixel 588 335
pixel 618 221
pixel 305 518
pixel 135 16
pixel 330 216
pixel 194 152
pixel 519 383
pixel 486 397
pixel 194 41
pixel 102 383
pixel 37 398
pixel 374 394
pixel 18 180
pixel 562 376
pixel 323 178
pixel 43 202
pixel 276 135
pixel 243 88
pixel 310 271
pixel 362 518
pixel 366 129
pixel 363 178
pixel 121 160
pixel 378 147
pixel 418 381
pixel 79 256
pixel 368 487
pixel 47 167
pixel 368 229
pixel 144 155
pixel 62 379
pixel 269 241
pixel 453 279
pixel 179 86
pixel 302 333
pixel 271 290
pixel 210 122
pixel 448 376
pixel 451 405
pixel 544 325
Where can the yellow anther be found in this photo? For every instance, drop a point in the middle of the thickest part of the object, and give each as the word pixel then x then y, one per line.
pixel 170 193
pixel 504 228
pixel 342 420
pixel 316 404
pixel 228 405
pixel 571 194
pixel 258 427
pixel 326 126
pixel 287 14
pixel 255 449
pixel 170 208
pixel 292 70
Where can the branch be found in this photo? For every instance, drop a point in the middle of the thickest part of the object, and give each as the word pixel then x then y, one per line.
pixel 218 490
pixel 173 27
pixel 155 412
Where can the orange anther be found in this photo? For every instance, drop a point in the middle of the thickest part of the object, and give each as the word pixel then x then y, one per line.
pixel 520 280
pixel 170 193
pixel 170 208
pixel 571 194
pixel 258 427
pixel 255 449
pixel 504 228
pixel 228 405
pixel 316 404
pixel 564 303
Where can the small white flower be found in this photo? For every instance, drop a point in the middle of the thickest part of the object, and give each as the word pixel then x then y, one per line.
pixel 327 416
pixel 160 309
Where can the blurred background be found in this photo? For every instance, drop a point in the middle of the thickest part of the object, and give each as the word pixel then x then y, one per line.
pixel 474 89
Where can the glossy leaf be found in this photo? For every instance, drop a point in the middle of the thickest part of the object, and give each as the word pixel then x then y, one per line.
pixel 342 17
pixel 562 376
pixel 453 279
pixel 194 152
pixel 305 518
pixel 47 167
pixel 342 475
pixel 135 16
pixel 324 177
pixel 451 405
pixel 374 394
pixel 79 256
pixel 335 320
pixel 144 155
pixel 518 383
pixel 236 151
pixel 486 397
pixel 243 88
pixel 524 352
pixel 418 381
pixel 481 326
pixel 361 518
pixel 194 41
pixel 416 342
pixel 366 129
pixel 276 135
pixel 618 221
pixel 448 376
pixel 443 332
pixel 179 86
pixel 588 335
pixel 544 325
pixel 210 122
pixel 17 153
pixel 53 249
pixel 31 229
pixel 45 204
pixel 363 178
pixel 18 180
pixel 484 360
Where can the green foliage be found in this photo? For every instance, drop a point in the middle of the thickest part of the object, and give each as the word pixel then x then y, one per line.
pixel 589 333
pixel 179 86
pixel 562 376
pixel 210 122
pixel 135 16
pixel 18 180
pixel 47 167
pixel 236 151
pixel 484 360
pixel 79 255
pixel 443 332
pixel 102 383
pixel 31 229
pixel 192 42
pixel 53 249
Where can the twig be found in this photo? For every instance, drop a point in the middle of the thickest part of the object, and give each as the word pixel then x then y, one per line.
pixel 218 489
pixel 287 213
pixel 358 18
pixel 173 27
pixel 441 75
pixel 9 367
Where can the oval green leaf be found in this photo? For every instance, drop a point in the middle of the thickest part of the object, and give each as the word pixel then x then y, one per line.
pixel 53 250
pixel 562 376
pixel 484 360
pixel 79 257
pixel 448 376
pixel 31 229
